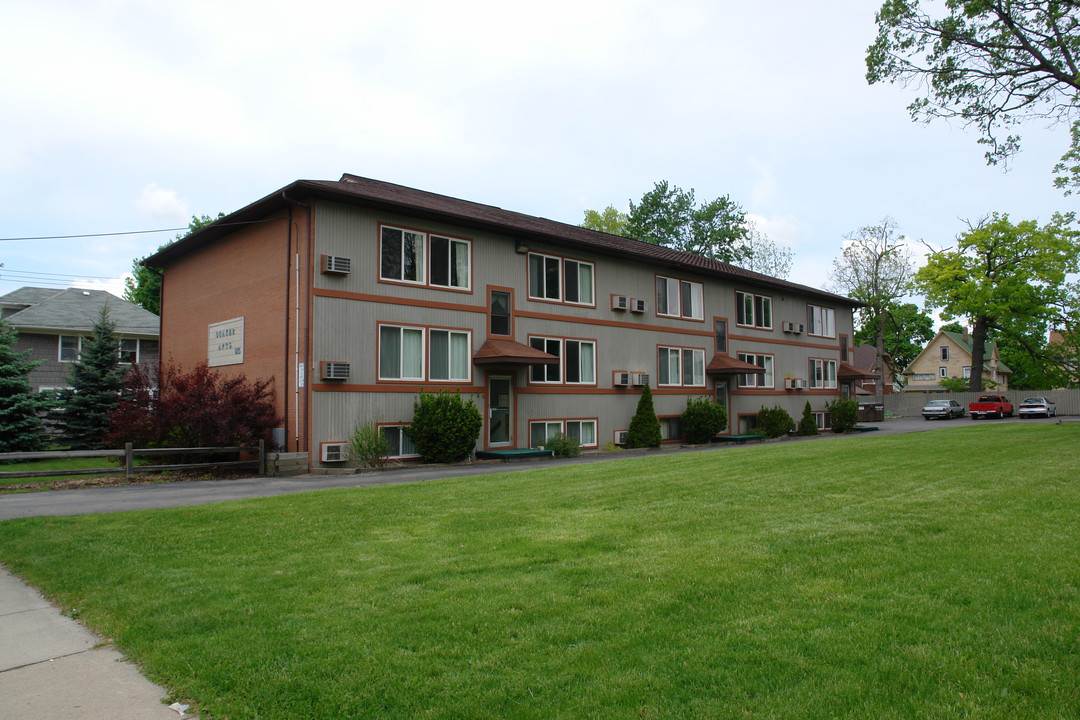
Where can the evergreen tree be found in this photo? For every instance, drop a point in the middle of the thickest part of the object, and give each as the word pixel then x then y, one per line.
pixel 20 426
pixel 94 382
pixel 808 425
pixel 644 429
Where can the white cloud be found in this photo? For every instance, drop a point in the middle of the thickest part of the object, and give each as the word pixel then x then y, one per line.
pixel 114 286
pixel 162 204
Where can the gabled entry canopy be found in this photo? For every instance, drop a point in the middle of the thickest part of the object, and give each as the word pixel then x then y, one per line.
pixel 850 372
pixel 508 352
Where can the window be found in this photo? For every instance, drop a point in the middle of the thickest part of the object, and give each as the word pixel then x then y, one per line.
pixel 820 321
pixel 577 361
pixel 448 355
pixel 753 310
pixel 402 255
pixel 540 431
pixel 823 420
pixel 922 377
pixel 401 445
pixel 679 298
pixel 967 372
pixel 843 348
pixel 680 366
pixel 500 319
pixel 449 262
pixel 401 353
pixel 943 372
pixel 546 279
pixel 671 428
pixel 720 330
pixel 415 257
pixel 823 374
pixel 944 349
pixel 129 351
pixel 759 381
pixel 70 346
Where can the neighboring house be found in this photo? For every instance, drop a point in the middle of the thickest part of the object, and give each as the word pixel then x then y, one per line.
pixel 354 295
pixel 865 359
pixel 53 324
pixel 948 355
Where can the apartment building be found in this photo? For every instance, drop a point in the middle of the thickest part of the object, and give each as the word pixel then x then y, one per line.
pixel 355 294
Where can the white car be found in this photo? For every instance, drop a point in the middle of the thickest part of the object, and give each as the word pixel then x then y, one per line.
pixel 1033 406
pixel 943 409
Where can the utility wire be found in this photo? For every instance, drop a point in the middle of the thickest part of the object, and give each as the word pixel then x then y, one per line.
pixel 132 232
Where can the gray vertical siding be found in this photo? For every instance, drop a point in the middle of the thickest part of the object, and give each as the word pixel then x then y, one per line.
pixel 346 327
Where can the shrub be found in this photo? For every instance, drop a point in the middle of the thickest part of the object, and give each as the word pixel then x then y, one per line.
pixel 644 429
pixel 367 447
pixel 774 422
pixel 444 427
pixel 199 408
pixel 702 419
pixel 808 425
pixel 563 445
pixel 844 415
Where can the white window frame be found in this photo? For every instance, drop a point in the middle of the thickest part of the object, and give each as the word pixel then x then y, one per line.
pixel 464 361
pixel 670 301
pixel 666 423
pixel 419 241
pixel 585 369
pixel 402 439
pixel 821 321
pixel 582 269
pixel 562 426
pixel 823 373
pixel 60 348
pixel 677 361
pixel 822 419
pixel 401 353
pixel 452 242
pixel 766 381
pixel 967 372
pixel 943 353
pixel 120 350
pixel 746 310
pixel 922 377
pixel 943 372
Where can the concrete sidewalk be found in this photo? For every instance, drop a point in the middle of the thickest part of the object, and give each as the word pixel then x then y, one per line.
pixel 52 668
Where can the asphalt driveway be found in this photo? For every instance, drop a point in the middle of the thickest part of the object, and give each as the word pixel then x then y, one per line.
pixel 89 501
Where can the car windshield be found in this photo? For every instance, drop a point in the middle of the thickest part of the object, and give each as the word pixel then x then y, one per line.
pixel 938 403
pixel 1034 401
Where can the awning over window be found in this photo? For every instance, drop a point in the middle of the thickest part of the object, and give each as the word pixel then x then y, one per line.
pixel 508 352
pixel 725 365
pixel 850 372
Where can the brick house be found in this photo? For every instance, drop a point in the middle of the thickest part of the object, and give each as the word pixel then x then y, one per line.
pixel 948 355
pixel 53 324
pixel 353 295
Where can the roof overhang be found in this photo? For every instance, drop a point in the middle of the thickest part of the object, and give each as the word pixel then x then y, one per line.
pixel 725 365
pixel 850 372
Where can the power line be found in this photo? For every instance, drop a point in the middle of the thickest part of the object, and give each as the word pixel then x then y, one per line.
pixel 133 232
pixel 4 272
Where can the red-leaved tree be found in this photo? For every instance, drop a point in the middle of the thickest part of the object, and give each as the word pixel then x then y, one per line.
pixel 199 408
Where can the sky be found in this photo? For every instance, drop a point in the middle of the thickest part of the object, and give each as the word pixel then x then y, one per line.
pixel 122 116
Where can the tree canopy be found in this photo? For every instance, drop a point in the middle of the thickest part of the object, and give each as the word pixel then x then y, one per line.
pixel 875 268
pixel 670 216
pixel 144 286
pixel 907 330
pixel 1003 277
pixel 608 220
pixel 994 64
pixel 20 425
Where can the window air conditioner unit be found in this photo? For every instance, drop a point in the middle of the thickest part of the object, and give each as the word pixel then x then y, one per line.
pixel 789 383
pixel 801 385
pixel 620 379
pixel 637 306
pixel 333 452
pixel 336 264
pixel 335 371
pixel 639 378
pixel 792 327
pixel 620 437
pixel 620 302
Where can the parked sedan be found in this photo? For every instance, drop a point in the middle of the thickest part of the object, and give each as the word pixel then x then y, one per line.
pixel 1033 406
pixel 945 409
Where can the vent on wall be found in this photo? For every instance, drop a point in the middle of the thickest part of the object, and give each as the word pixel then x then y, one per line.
pixel 333 452
pixel 334 371
pixel 336 264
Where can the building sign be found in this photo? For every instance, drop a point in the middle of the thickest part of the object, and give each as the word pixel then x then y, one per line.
pixel 226 343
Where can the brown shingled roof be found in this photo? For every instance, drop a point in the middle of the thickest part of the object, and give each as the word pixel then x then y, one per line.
pixel 358 190
pixel 508 352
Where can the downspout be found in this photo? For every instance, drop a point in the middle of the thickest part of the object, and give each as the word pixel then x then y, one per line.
pixel 296 328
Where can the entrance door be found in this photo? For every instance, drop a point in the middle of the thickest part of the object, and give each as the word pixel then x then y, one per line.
pixel 500 415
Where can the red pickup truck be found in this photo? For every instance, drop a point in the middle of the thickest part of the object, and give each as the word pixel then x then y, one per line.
pixel 990 405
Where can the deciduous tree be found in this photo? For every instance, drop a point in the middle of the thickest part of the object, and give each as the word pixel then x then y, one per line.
pixel 907 330
pixel 994 64
pixel 669 216
pixel 875 268
pixel 1002 277
pixel 608 220
pixel 144 286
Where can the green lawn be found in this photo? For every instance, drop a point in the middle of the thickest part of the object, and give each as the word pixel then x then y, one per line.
pixel 934 575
